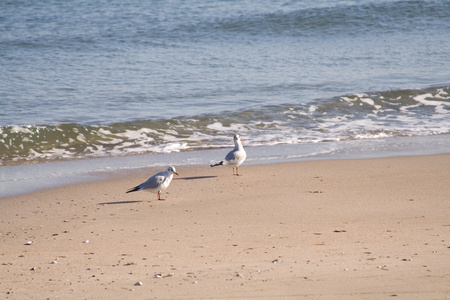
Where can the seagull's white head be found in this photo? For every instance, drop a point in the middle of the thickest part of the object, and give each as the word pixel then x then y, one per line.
pixel 237 140
pixel 172 170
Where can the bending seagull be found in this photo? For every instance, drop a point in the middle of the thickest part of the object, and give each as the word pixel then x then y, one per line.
pixel 157 183
pixel 235 157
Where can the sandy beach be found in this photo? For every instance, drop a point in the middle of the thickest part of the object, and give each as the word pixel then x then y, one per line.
pixel 334 229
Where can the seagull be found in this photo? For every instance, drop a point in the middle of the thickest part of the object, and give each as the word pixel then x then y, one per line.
pixel 157 183
pixel 235 157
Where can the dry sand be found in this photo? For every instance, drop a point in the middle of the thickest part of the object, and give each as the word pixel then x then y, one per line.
pixel 344 229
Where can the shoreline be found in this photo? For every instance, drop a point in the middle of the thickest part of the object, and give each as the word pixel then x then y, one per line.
pixel 22 179
pixel 322 229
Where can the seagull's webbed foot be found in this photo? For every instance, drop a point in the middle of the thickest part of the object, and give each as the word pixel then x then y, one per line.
pixel 159 196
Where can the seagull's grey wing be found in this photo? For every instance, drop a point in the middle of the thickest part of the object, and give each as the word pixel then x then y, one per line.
pixel 232 155
pixel 154 182
pixel 236 156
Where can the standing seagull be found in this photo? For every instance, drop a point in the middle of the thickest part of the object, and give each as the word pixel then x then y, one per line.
pixel 235 157
pixel 157 183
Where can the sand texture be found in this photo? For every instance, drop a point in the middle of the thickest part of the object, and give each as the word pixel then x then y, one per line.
pixel 337 229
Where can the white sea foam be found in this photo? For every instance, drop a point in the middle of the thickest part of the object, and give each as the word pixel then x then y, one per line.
pixel 21 129
pixel 441 107
pixel 138 135
pixel 312 108
pixel 413 113
pixel 81 138
pixel 348 100
pixel 232 128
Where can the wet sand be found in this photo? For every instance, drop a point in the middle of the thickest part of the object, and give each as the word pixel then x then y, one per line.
pixel 336 229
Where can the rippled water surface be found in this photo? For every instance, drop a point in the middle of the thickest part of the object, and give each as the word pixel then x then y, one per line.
pixel 83 79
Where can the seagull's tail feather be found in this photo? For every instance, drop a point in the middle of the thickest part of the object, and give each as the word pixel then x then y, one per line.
pixel 135 189
pixel 218 164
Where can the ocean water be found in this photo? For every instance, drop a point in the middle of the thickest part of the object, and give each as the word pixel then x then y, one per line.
pixel 109 79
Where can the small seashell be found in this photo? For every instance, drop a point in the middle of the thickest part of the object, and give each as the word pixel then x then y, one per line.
pixel 29 243
pixel 158 275
pixel 54 262
pixel 139 283
pixel 275 261
pixel 86 242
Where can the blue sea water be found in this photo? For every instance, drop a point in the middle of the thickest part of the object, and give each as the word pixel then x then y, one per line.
pixel 101 79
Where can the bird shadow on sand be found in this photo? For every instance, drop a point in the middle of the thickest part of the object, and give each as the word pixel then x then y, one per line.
pixel 119 202
pixel 195 178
